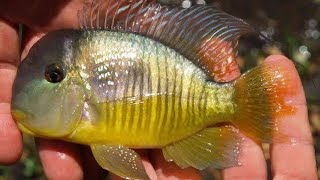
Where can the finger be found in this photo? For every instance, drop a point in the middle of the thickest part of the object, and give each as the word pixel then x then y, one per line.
pixel 147 165
pixel 169 170
pixel 10 136
pixel 144 154
pixel 91 169
pixel 61 13
pixel 252 163
pixel 29 39
pixel 251 158
pixel 294 159
pixel 60 160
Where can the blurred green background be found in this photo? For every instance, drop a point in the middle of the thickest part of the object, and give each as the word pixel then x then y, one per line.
pixel 294 28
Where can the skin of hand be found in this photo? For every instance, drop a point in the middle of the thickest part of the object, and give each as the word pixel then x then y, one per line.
pixel 61 160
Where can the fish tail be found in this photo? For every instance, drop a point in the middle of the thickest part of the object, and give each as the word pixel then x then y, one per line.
pixel 262 97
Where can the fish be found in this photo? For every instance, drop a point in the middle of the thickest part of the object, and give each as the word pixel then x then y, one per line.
pixel 142 75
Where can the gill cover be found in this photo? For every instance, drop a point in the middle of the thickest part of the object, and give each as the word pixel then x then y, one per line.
pixel 47 94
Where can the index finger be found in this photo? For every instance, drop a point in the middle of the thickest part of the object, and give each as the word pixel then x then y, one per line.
pixel 294 158
pixel 10 136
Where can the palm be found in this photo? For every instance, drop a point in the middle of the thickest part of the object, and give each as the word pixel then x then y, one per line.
pixel 59 158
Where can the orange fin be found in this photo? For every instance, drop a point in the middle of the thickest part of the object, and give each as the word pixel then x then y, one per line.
pixel 216 147
pixel 261 96
pixel 203 34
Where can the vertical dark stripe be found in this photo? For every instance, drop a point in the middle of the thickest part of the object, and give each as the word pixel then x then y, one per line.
pixel 200 100
pixel 205 99
pixel 108 118
pixel 125 102
pixel 193 96
pixel 141 97
pixel 109 113
pixel 159 99
pixel 113 97
pixel 180 93
pixel 149 99
pixel 115 89
pixel 133 108
pixel 173 95
pixel 166 100
pixel 189 95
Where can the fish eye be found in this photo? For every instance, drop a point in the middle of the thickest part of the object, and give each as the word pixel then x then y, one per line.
pixel 54 73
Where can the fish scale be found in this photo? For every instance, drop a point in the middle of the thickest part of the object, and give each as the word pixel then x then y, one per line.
pixel 176 99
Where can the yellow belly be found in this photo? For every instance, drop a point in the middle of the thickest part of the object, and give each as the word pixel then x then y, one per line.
pixel 151 122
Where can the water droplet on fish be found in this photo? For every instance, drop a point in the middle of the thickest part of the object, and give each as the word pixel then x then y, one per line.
pixel 186 4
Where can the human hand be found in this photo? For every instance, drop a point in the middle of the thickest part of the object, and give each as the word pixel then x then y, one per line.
pixel 63 160
pixel 292 159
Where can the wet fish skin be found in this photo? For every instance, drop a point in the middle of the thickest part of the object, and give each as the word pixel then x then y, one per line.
pixel 142 87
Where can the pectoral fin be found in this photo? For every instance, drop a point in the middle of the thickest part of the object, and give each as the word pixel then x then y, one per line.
pixel 120 160
pixel 217 147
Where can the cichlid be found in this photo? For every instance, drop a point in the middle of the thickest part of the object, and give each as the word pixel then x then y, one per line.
pixel 143 75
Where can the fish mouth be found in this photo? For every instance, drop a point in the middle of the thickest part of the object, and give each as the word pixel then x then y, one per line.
pixel 19 117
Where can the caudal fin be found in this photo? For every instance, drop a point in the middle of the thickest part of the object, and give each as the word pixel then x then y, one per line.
pixel 262 98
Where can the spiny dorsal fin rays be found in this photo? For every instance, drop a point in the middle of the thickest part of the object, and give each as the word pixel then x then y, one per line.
pixel 182 3
pixel 206 36
pixel 109 14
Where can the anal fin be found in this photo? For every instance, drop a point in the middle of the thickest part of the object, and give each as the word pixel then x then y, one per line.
pixel 120 160
pixel 216 147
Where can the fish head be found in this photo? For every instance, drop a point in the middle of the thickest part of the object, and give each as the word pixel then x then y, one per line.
pixel 48 97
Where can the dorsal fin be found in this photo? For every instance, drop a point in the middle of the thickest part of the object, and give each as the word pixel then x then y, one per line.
pixel 182 3
pixel 206 36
